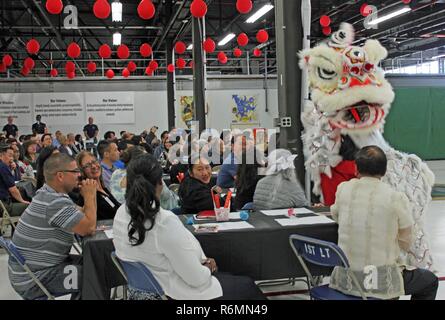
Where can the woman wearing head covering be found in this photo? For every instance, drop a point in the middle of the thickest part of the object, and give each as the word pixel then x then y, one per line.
pixel 280 188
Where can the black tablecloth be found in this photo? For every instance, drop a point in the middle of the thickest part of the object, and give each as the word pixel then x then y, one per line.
pixel 263 253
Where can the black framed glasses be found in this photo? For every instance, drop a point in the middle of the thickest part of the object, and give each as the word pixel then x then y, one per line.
pixel 71 171
pixel 90 164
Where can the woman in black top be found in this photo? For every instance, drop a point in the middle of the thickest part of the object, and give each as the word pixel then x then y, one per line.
pixel 107 205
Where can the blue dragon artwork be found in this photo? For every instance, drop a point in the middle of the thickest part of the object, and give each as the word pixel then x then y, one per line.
pixel 245 110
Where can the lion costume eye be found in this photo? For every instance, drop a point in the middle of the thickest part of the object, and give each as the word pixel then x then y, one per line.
pixel 326 74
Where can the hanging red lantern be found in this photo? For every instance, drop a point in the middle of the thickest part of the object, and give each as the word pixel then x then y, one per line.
pixel 102 9
pixel 257 53
pixel 126 73
pixel 145 50
pixel 243 40
pixel 262 36
pixel 54 73
pixel 110 74
pixel 365 10
pixel 73 50
pixel 180 63
pixel 131 66
pixel 209 45
pixel 29 63
pixel 2 67
pixel 146 9
pixel 198 8
pixel 24 71
pixel 171 68
pixel 70 66
pixel 406 1
pixel 123 52
pixel 237 52
pixel 33 46
pixel 148 71
pixel 54 6
pixel 222 58
pixel 153 65
pixel 327 31
pixel 244 6
pixel 71 74
pixel 7 60
pixel 325 21
pixel 105 51
pixel 180 47
pixel 91 67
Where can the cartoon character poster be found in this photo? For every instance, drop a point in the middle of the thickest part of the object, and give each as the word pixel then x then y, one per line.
pixel 244 109
pixel 186 111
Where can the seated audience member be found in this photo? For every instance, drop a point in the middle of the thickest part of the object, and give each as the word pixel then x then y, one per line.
pixel 65 146
pixel 279 189
pixel 107 205
pixel 110 136
pixel 44 234
pixel 44 154
pixel 75 148
pixel 143 232
pixel 140 141
pixel 109 154
pixel 375 226
pixel 26 171
pixel 9 194
pixel 56 140
pixel 151 136
pixel 195 190
pixel 79 142
pixel 46 140
pixel 30 153
pixel 229 168
pixel 161 149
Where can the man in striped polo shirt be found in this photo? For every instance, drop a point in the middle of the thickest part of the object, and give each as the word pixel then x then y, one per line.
pixel 44 234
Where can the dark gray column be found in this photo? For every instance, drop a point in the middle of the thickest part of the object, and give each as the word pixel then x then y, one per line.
pixel 289 37
pixel 171 79
pixel 198 75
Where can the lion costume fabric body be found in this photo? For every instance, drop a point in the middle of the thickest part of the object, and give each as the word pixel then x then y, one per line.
pixel 350 99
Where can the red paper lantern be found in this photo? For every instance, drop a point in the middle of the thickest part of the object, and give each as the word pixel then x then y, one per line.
pixel 148 71
pixel 70 67
pixel 2 67
pixel 29 63
pixel 244 6
pixel 153 65
pixel 91 67
pixel 71 75
pixel 131 66
pixel 262 36
pixel 209 45
pixel 257 52
pixel 222 58
pixel 327 31
pixel 180 47
pixel 102 9
pixel 243 40
pixel 123 52
pixel 126 73
pixel 33 46
pixel 73 50
pixel 146 50
pixel 53 73
pixel 146 9
pixel 365 10
pixel 198 8
pixel 7 60
pixel 171 68
pixel 406 1
pixel 110 74
pixel 54 6
pixel 180 63
pixel 325 21
pixel 105 51
pixel 24 71
pixel 237 52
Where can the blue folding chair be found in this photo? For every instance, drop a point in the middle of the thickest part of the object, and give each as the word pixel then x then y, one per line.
pixel 326 254
pixel 12 251
pixel 139 278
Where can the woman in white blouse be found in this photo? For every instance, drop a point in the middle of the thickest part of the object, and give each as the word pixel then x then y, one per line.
pixel 144 232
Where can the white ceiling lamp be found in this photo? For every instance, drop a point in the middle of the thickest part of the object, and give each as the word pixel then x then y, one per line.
pixel 438 57
pixel 390 16
pixel 190 47
pixel 261 12
pixel 116 11
pixel 117 39
pixel 226 39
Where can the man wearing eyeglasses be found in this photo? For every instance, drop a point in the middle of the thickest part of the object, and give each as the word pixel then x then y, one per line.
pixel 44 234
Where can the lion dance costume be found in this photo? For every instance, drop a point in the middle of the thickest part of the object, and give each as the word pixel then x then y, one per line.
pixel 350 99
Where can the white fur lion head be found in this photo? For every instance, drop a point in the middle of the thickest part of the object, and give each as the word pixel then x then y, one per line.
pixel 346 84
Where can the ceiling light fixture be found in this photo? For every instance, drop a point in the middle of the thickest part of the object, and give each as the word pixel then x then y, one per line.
pixel 117 39
pixel 390 16
pixel 226 39
pixel 116 11
pixel 261 12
